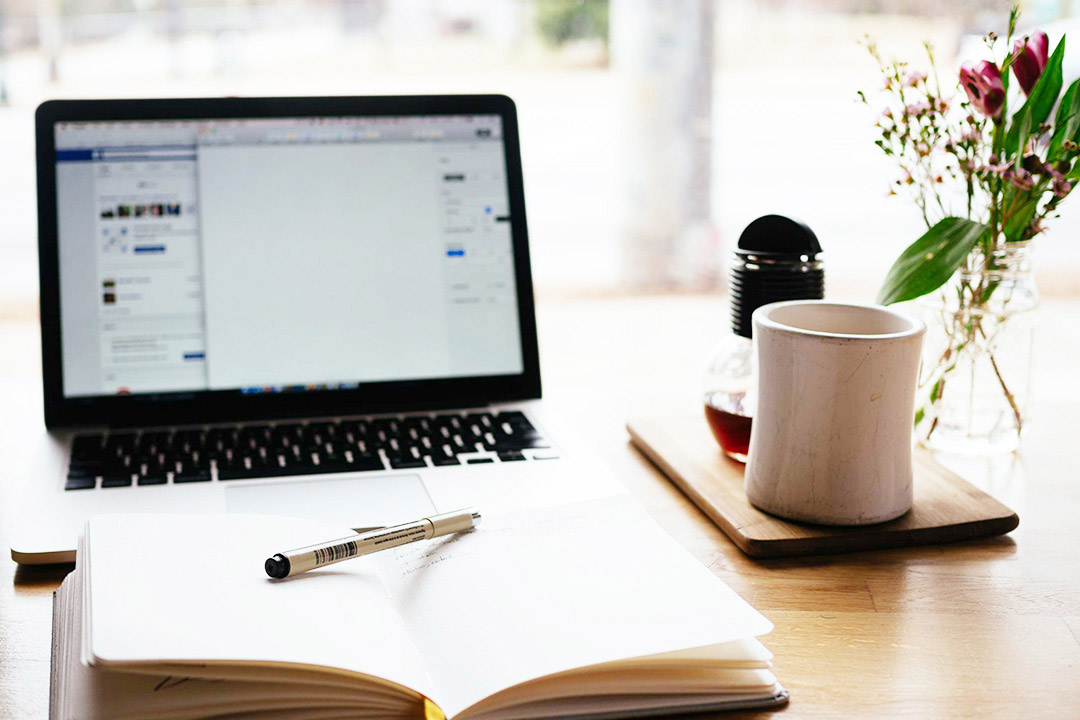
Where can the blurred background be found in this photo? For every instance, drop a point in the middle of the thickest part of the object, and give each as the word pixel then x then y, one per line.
pixel 652 131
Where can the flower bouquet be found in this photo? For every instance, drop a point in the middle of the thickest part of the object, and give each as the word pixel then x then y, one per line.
pixel 986 180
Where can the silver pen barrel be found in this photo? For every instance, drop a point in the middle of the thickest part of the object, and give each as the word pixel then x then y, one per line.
pixel 292 562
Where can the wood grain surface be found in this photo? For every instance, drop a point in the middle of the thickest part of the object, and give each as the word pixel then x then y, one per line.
pixel 947 507
pixel 986 628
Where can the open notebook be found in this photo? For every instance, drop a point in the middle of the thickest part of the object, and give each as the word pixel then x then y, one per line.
pixel 580 610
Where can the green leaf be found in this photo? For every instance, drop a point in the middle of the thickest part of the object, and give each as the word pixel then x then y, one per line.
pixel 935 391
pixel 1066 121
pixel 1070 102
pixel 1020 219
pixel 1025 131
pixel 931 260
pixel 1040 101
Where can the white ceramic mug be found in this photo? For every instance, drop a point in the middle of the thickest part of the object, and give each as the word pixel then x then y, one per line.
pixel 831 437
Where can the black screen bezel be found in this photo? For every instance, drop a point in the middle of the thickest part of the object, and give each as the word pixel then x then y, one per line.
pixel 232 405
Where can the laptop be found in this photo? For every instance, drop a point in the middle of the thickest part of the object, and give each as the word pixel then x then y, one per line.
pixel 317 307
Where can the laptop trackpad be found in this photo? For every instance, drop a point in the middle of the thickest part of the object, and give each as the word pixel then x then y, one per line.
pixel 355 502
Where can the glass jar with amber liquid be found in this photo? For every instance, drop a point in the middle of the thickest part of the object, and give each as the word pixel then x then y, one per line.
pixel 777 259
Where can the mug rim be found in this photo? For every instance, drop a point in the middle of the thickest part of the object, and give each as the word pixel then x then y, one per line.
pixel 761 318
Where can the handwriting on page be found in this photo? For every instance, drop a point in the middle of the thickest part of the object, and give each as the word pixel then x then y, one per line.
pixel 414 558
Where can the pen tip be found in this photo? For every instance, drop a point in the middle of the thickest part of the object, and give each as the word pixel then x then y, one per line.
pixel 277 566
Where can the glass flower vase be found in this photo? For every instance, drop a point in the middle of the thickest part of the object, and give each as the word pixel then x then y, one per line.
pixel 976 376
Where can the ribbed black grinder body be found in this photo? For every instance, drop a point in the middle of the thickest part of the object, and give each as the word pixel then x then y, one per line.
pixel 777 259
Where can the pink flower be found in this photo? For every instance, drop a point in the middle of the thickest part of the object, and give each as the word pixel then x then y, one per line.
pixel 984 87
pixel 1029 59
pixel 913 78
pixel 1001 169
pixel 1020 178
pixel 1060 185
pixel 972 133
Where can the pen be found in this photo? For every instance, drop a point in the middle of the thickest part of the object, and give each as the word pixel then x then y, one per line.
pixel 294 562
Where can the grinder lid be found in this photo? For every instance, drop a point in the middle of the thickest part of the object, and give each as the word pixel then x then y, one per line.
pixel 777 259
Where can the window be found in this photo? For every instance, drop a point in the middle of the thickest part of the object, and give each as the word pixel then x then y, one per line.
pixel 652 133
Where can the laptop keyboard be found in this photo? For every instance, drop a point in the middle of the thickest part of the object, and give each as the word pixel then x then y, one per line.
pixel 279 449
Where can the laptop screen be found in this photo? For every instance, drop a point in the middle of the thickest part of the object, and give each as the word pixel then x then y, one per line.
pixel 269 255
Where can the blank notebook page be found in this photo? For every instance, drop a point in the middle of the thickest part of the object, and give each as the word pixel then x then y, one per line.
pixel 524 595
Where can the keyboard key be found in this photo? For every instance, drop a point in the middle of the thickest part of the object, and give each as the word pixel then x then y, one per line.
pixel 152 480
pixel 235 472
pixel 191 476
pixel 87 447
pixel 85 467
pixel 484 419
pixel 150 443
pixel 365 463
pixel 480 460
pixel 120 440
pixel 80 483
pixel 531 439
pixel 329 465
pixel 513 431
pixel 112 481
pixel 511 456
pixel 440 460
pixel 328 430
pixel 403 462
pixel 443 452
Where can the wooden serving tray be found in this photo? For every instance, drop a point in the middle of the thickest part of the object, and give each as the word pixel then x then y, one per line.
pixel 947 507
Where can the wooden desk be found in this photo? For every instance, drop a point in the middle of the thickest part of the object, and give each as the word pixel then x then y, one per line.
pixel 982 629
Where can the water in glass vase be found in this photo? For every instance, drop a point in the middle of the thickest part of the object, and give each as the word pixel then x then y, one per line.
pixel 976 374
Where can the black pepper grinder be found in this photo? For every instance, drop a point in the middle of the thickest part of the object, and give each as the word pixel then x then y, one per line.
pixel 777 259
